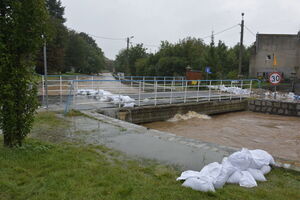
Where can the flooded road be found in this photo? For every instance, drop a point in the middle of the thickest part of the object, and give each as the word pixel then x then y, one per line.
pixel 279 135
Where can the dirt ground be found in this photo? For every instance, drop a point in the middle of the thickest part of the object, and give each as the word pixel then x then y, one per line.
pixel 279 135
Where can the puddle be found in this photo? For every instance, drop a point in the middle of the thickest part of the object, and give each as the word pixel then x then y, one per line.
pixel 143 144
pixel 168 152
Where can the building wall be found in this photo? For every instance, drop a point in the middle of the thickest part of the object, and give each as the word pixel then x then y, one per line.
pixel 286 48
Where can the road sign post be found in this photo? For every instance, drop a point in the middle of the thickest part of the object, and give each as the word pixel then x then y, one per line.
pixel 275 79
pixel 208 71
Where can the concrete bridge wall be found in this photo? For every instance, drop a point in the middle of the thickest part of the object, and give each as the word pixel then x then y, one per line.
pixel 141 115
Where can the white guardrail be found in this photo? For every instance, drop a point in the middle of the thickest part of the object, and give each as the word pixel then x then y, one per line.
pixel 88 92
pixel 84 94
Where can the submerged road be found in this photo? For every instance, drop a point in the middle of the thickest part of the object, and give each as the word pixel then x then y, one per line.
pixel 137 141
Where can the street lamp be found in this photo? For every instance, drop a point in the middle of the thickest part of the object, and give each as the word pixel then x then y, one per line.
pixel 45 70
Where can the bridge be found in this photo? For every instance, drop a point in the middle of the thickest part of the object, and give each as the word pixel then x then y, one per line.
pixel 108 91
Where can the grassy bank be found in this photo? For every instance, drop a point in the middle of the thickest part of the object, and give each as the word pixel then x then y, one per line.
pixel 42 170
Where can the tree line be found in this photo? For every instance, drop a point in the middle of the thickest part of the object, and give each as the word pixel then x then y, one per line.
pixel 173 59
pixel 68 50
pixel 25 26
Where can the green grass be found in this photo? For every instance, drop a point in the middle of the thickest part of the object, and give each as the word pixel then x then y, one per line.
pixel 42 170
pixel 50 119
pixel 74 113
pixel 49 127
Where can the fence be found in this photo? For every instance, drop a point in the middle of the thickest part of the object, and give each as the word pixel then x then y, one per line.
pixel 59 85
pixel 136 91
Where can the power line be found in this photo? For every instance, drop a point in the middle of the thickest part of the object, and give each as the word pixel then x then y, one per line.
pixel 227 29
pixel 108 38
pixel 147 45
pixel 157 46
pixel 222 31
pixel 248 29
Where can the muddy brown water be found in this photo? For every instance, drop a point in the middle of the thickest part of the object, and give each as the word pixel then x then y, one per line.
pixel 279 135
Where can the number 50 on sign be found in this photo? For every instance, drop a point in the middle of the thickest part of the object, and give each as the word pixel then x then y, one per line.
pixel 275 78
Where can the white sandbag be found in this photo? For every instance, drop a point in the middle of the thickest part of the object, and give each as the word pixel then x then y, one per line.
pixel 224 159
pixel 115 99
pixel 265 169
pixel 226 171
pixel 127 99
pixel 199 183
pixel 104 99
pixel 241 159
pixel 146 100
pixel 188 174
pixel 257 174
pixel 92 92
pixel 261 158
pixel 247 180
pixel 235 178
pixel 129 105
pixel 215 175
pixel 211 171
pixel 104 93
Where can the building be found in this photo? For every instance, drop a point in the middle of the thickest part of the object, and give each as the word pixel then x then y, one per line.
pixel 276 52
pixel 193 75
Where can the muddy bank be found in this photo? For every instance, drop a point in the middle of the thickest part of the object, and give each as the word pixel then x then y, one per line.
pixel 279 135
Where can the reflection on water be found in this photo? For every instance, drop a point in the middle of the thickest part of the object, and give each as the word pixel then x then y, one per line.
pixel 279 135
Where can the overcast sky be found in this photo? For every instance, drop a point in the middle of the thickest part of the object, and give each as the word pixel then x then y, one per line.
pixel 151 21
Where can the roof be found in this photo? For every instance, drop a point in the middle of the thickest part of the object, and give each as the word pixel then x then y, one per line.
pixel 278 35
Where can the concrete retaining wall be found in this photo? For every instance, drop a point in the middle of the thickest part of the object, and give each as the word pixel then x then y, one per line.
pixel 141 115
pixel 274 107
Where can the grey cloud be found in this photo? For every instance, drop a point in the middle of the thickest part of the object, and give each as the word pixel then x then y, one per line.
pixel 153 21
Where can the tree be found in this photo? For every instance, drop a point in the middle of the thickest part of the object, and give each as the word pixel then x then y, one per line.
pixel 172 59
pixel 56 10
pixel 134 53
pixel 22 24
pixel 83 54
pixel 56 46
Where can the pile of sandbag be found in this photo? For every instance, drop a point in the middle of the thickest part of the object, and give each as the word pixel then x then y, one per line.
pixel 282 96
pixel 233 90
pixel 244 167
pixel 106 96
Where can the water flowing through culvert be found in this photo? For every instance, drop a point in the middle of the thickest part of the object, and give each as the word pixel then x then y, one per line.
pixel 276 134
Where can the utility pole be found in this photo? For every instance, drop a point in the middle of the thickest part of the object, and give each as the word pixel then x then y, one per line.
pixel 241 46
pixel 46 73
pixel 127 51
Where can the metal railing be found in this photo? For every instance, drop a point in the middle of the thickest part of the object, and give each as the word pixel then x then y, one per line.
pixel 59 85
pixel 88 94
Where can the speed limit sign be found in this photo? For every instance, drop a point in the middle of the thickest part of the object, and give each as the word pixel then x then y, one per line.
pixel 275 78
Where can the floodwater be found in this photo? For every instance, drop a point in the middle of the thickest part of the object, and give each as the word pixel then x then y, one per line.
pixel 279 135
pixel 142 143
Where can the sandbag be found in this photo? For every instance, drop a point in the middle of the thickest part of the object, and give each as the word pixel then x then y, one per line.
pixel 247 180
pixel 265 169
pixel 235 177
pixel 260 158
pixel 257 174
pixel 188 174
pixel 129 105
pixel 199 183
pixel 211 171
pixel 226 171
pixel 234 169
pixel 241 159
